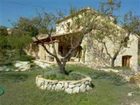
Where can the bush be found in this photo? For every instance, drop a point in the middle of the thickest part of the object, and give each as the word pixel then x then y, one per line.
pixel 117 80
pixel 135 79
pixel 10 56
pixel 56 75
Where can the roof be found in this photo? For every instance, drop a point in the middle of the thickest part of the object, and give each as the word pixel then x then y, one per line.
pixel 82 11
pixel 77 13
pixel 45 38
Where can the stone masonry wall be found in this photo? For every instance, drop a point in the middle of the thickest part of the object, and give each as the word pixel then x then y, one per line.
pixel 67 86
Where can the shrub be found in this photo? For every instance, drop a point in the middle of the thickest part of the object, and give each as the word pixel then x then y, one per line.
pixel 135 78
pixel 117 80
pixel 56 75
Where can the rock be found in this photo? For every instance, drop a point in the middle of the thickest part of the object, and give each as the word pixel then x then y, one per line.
pixel 58 86
pixel 39 82
pixel 42 85
pixel 53 87
pixel 71 86
pixel 78 85
pixel 4 68
pixel 88 87
pixel 49 87
pixel 41 64
pixel 65 85
pixel 22 65
pixel 68 90
pixel 83 88
pixel 130 94
pixel 87 82
pixel 76 90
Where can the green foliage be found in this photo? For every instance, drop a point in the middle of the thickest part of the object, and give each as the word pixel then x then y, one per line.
pixel 10 56
pixel 3 42
pixel 3 37
pixel 56 75
pixel 25 26
pixel 19 41
pixel 3 31
pixel 131 23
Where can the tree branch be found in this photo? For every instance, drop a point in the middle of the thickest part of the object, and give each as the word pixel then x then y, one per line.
pixel 42 43
pixel 107 50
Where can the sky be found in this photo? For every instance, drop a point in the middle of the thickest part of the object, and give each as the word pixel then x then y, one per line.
pixel 11 10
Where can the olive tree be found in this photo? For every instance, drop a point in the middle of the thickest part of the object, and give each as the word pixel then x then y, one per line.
pixel 118 36
pixel 48 21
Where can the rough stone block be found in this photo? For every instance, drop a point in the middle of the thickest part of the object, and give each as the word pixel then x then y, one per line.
pixel 58 86
pixel 83 88
pixel 69 90
pixel 76 90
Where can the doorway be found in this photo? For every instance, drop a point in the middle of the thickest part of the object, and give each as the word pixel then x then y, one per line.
pixel 126 60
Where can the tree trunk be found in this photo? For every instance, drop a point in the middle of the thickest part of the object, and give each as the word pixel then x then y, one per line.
pixel 61 65
pixel 62 69
pixel 113 62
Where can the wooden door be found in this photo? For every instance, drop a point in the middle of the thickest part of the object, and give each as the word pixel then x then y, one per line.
pixel 126 61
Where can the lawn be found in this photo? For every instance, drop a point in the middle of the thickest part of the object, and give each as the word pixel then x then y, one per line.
pixel 20 89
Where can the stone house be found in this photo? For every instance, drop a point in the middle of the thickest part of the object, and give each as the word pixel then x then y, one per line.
pixel 93 55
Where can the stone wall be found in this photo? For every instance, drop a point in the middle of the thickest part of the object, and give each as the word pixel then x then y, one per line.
pixel 95 56
pixel 70 87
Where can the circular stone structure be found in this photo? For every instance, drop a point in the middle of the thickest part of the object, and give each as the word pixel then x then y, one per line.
pixel 70 87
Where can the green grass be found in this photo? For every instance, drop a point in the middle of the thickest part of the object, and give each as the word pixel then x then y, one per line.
pixel 20 89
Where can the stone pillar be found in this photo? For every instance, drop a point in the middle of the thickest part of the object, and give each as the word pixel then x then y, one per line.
pixel 41 53
pixel 56 47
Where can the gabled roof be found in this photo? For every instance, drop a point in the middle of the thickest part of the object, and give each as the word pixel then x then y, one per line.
pixel 88 9
pixel 77 13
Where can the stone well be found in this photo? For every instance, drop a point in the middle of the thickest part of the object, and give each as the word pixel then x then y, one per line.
pixel 70 87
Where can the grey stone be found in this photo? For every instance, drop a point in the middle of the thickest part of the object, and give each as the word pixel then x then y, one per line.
pixel 53 87
pixel 88 87
pixel 69 90
pixel 76 90
pixel 66 85
pixel 83 88
pixel 22 65
pixel 41 64
pixel 87 82
pixel 130 94
pixel 49 86
pixel 58 86
pixel 4 68
pixel 39 83
pixel 78 85
pixel 43 85
pixel 71 86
